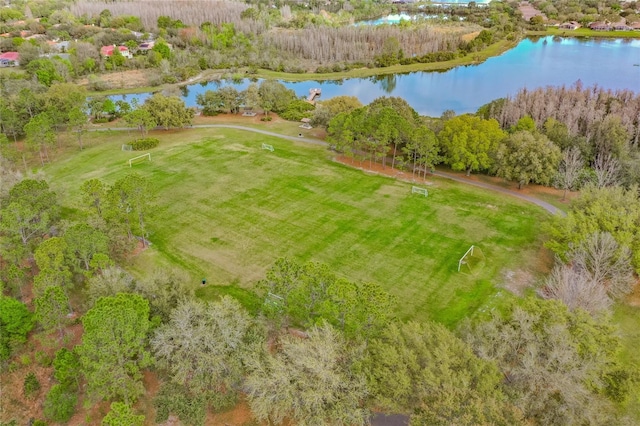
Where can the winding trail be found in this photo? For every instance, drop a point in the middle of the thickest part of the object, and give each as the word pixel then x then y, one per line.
pixel 547 206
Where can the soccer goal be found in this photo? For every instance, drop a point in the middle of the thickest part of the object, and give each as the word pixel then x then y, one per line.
pixel 126 147
pixel 267 147
pixel 418 190
pixel 139 158
pixel 471 259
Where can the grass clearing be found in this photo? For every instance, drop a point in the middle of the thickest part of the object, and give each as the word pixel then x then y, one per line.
pixel 226 210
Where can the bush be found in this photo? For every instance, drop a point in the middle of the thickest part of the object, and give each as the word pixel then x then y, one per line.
pixel 172 399
pixel 144 143
pixel 266 118
pixel 60 404
pixel 31 385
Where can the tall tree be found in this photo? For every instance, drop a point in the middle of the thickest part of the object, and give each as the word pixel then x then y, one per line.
pixel 83 243
pixel 315 382
pixel 30 210
pixel 122 414
pixel 40 134
pixel 169 111
pixel 467 142
pixel 113 346
pixel 275 95
pixel 52 308
pixel 555 363
pixel 607 170
pixel 425 369
pixel 527 157
pixel 130 202
pixel 205 346
pixel 93 194
pixel 142 119
pixel 15 322
pixel 570 167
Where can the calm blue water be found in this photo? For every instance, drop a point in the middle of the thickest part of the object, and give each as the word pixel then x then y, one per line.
pixel 531 64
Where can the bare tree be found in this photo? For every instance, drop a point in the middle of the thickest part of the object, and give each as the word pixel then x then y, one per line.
pixel 607 169
pixel 608 263
pixel 570 168
pixel 576 288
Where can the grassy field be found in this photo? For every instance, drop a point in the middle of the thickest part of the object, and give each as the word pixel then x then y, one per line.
pixel 226 210
pixel 584 32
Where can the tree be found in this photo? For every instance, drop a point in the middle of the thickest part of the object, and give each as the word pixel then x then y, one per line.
pixel 77 122
pixel 66 367
pixel 130 202
pixel 122 415
pixel 109 282
pixel 162 48
pixel 468 141
pixel 93 194
pixel 610 137
pixel 606 262
pixel 425 369
pixel 50 256
pixel 315 382
pixel 576 288
pixel 30 210
pixel 210 101
pixel 83 243
pixel 15 322
pixel 142 119
pixel 312 294
pixel 423 149
pixel 60 404
pixel 274 96
pixel 40 133
pixel 570 167
pixel 614 210
pixel 168 111
pixel 52 308
pixel 113 346
pixel 607 170
pixel 251 96
pixel 326 110
pixel 165 289
pixel 205 346
pixel 527 157
pixel 555 362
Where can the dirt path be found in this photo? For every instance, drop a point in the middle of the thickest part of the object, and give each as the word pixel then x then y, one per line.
pixel 547 206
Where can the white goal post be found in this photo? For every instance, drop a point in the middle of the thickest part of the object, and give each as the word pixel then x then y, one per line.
pixel 126 147
pixel 418 190
pixel 462 261
pixel 147 155
pixel 267 147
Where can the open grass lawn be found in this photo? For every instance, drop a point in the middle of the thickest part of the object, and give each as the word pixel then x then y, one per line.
pixel 226 210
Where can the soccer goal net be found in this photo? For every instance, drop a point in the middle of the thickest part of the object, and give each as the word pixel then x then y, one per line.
pixel 471 259
pixel 126 147
pixel 418 190
pixel 267 147
pixel 139 159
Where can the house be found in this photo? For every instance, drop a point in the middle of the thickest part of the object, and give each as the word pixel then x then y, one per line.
pixel 146 46
pixel 571 25
pixel 600 26
pixel 635 26
pixel 620 26
pixel 107 51
pixel 10 59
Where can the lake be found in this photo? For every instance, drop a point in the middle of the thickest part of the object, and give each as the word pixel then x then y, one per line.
pixel 533 63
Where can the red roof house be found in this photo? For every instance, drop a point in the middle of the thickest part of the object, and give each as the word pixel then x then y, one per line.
pixel 10 59
pixel 108 51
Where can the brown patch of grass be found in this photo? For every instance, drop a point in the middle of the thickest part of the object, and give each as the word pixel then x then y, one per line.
pixel 633 299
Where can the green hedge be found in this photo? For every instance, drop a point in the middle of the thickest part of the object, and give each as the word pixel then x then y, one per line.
pixel 144 143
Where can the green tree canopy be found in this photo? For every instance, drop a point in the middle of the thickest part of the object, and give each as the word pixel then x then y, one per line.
pixel 122 415
pixel 467 142
pixel 424 368
pixel 15 322
pixel 113 346
pixel 526 157
pixel 168 111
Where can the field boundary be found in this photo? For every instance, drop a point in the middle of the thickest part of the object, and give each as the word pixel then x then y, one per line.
pixel 547 206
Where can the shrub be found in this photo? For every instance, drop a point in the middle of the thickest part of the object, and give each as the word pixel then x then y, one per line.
pixel 190 409
pixel 31 385
pixel 266 118
pixel 60 404
pixel 144 143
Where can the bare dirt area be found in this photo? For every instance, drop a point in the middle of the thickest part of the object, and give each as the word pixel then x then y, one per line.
pixel 633 299
pixel 129 79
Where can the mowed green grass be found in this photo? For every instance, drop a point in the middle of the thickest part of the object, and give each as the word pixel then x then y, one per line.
pixel 226 210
